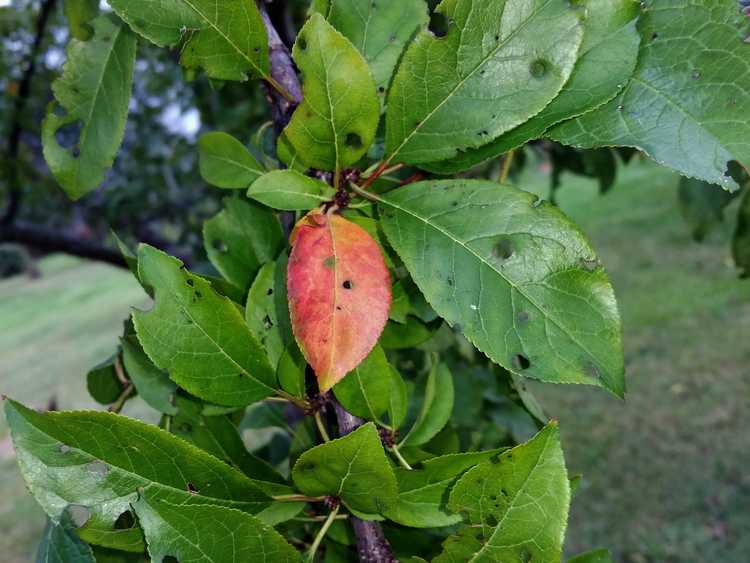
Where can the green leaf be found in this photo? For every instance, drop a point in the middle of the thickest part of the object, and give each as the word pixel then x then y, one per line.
pixel 741 239
pixel 379 30
pixel 437 406
pixel 291 191
pixel 501 62
pixel 267 310
pixel 291 370
pixel 336 122
pixel 398 400
pixel 225 162
pixel 423 492
pixel 102 382
pixel 226 38
pixel 153 385
pixel 240 238
pixel 596 556
pixel 208 534
pixel 680 107
pixel 79 14
pixel 400 306
pixel 94 92
pixel 218 436
pixel 606 61
pixel 353 468
pixel 61 544
pixel 365 390
pixel 92 463
pixel 398 336
pixel 702 205
pixel 199 336
pixel 517 505
pixel 522 284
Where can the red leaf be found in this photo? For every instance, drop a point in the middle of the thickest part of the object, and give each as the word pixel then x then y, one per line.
pixel 339 294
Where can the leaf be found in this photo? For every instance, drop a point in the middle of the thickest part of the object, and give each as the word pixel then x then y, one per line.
pixel 339 294
pixel 92 463
pixel 379 30
pixel 365 391
pixel 353 468
pixel 267 312
pixel 79 14
pixel 61 544
pixel 102 382
pixel 397 399
pixel 199 336
pixel 423 492
pixel 336 122
pixel 94 92
pixel 702 205
pixel 400 306
pixel 402 336
pixel 218 436
pixel 681 108
pixel 522 283
pixel 153 385
pixel 290 191
pixel 208 534
pixel 606 61
pixel 226 38
pixel 437 406
pixel 596 556
pixel 741 239
pixel 225 162
pixel 517 505
pixel 500 63
pixel 291 370
pixel 240 238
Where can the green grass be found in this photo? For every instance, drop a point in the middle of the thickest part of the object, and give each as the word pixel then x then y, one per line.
pixel 665 473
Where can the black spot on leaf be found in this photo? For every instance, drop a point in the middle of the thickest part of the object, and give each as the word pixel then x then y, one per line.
pixel 521 362
pixel 503 249
pixel 348 284
pixel 539 68
pixel 353 141
pixel 125 521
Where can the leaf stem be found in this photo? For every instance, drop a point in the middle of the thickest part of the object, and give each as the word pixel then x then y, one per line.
pixel 280 89
pixel 506 166
pixel 321 534
pixel 321 427
pixel 297 498
pixel 124 396
pixel 394 449
pixel 319 518
pixel 360 191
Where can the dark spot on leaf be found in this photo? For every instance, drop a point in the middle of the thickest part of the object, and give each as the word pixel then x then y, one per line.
pixel 63 448
pixel 309 466
pixel 329 262
pixel 198 295
pixel 192 489
pixel 348 284
pixel 503 249
pixel 170 559
pixel 479 536
pixel 458 327
pixel 450 281
pixel 219 245
pixel 439 24
pixel 525 556
pixel 504 492
pixel 98 467
pixel 267 322
pixel 521 362
pixel 76 151
pixel 381 89
pixel 338 307
pixel 491 521
pixel 591 369
pixel 589 264
pixel 190 282
pixel 125 521
pixel 79 514
pixel 353 141
pixel 69 134
pixel 539 68
pixel 186 427
pixel 654 36
pixel 495 459
pixel 391 37
pixel 696 75
pixel 269 291
pixel 302 42
pixel 522 317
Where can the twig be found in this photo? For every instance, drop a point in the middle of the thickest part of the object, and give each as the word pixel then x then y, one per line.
pixel 321 427
pixel 124 396
pixel 322 533
pixel 297 498
pixel 394 449
pixel 506 166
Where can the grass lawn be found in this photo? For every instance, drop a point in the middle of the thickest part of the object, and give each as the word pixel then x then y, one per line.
pixel 666 475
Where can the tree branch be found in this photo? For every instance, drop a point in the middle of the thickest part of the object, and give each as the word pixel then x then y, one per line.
pixel 372 545
pixel 19 106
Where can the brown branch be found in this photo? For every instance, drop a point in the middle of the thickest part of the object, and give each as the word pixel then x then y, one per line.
pixel 19 107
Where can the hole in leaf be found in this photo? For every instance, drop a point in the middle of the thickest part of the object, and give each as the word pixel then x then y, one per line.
pixel 192 489
pixel 79 514
pixel 353 141
pixel 381 89
pixel 270 291
pixel 439 24
pixel 521 362
pixel 539 68
pixel 267 322
pixel 590 264
pixel 190 282
pixel 302 42
pixel 219 245
pixel 348 284
pixel 125 521
pixel 169 559
pixel 69 134
pixel 491 521
pixel 503 249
